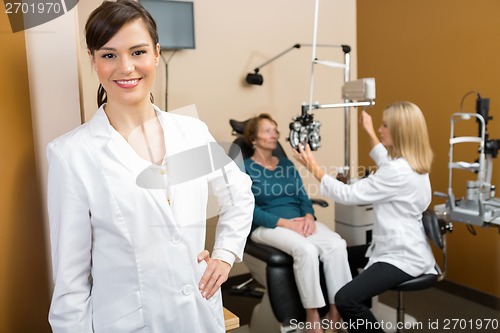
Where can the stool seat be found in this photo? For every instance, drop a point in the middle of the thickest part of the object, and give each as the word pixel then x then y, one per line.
pixel 423 281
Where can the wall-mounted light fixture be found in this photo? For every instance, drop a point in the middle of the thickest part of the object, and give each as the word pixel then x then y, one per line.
pixel 256 78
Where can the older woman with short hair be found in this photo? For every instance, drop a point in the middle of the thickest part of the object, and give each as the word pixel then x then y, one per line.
pixel 284 218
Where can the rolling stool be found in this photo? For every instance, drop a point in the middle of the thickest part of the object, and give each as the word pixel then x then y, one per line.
pixel 436 230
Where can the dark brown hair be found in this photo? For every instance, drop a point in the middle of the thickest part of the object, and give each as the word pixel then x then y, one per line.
pixel 252 127
pixel 105 21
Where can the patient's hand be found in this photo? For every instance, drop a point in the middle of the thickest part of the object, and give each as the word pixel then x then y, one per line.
pixel 215 275
pixel 301 225
pixel 310 225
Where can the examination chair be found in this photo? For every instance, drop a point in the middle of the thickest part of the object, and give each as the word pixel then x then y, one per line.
pixel 435 230
pixel 273 268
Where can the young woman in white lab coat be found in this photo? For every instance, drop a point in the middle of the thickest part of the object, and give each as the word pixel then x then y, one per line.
pixel 400 191
pixel 127 240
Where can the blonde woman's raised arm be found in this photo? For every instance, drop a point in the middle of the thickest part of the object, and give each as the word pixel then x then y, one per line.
pixel 366 121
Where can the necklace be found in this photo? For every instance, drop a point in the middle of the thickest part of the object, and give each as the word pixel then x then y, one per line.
pixel 162 164
pixel 150 152
pixel 268 165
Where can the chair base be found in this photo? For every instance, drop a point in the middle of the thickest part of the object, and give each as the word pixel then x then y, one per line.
pixel 387 314
pixel 263 319
pixel 287 308
pixel 257 268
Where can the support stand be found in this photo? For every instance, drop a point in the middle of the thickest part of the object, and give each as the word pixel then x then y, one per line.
pixel 304 128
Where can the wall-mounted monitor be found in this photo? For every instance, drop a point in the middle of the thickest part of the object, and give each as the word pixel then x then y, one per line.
pixel 175 22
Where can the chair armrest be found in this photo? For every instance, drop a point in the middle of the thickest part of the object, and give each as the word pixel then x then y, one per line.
pixel 320 202
pixel 268 254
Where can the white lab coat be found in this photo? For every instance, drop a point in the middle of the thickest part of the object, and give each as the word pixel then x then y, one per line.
pixel 399 196
pixel 124 260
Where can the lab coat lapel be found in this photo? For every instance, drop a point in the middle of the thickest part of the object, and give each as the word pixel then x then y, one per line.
pixel 178 139
pixel 120 150
pixel 114 144
pixel 174 142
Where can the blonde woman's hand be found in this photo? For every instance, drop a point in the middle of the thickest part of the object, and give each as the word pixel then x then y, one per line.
pixel 366 121
pixel 215 275
pixel 306 158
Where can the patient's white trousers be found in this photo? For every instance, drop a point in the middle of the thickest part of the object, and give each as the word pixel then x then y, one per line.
pixel 324 245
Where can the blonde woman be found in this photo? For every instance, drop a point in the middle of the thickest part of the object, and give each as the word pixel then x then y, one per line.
pixel 400 191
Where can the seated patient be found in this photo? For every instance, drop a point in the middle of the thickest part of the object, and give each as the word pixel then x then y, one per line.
pixel 283 218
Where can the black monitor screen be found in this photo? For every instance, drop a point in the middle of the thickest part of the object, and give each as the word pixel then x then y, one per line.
pixel 175 22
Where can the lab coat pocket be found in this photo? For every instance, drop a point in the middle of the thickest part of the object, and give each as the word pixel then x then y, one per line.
pixel 214 303
pixel 124 315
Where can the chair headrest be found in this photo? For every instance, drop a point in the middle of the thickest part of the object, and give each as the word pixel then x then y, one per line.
pixel 246 150
pixel 238 126
pixel 433 228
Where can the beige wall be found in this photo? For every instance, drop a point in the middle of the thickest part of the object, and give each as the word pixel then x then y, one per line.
pixel 433 53
pixel 234 37
pixel 54 95
pixel 54 92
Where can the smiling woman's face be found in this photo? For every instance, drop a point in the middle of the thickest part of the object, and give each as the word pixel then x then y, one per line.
pixel 126 64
